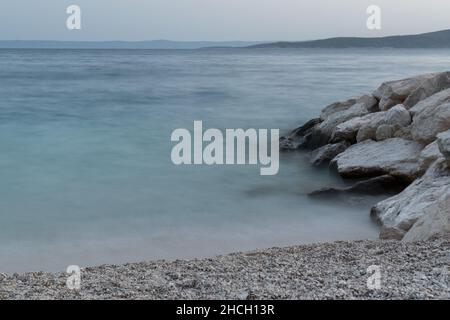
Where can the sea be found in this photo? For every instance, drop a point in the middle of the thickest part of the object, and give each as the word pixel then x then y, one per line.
pixel 86 176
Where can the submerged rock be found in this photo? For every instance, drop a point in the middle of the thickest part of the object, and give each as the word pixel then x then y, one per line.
pixel 396 157
pixel 423 208
pixel 325 154
pixel 374 186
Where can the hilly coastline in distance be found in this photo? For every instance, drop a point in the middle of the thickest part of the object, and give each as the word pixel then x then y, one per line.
pixel 438 39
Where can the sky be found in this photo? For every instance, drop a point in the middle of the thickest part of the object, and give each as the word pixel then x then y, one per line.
pixel 217 20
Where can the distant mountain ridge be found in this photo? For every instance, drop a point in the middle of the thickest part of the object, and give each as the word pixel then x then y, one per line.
pixel 154 44
pixel 438 39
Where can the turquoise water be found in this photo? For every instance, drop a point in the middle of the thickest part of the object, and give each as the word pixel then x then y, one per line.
pixel 85 170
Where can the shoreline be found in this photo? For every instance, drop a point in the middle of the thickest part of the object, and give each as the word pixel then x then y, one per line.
pixel 338 270
pixel 398 138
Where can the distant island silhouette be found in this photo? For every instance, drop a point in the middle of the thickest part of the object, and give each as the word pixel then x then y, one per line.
pixel 438 39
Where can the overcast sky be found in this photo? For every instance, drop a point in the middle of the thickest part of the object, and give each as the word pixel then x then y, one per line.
pixel 259 20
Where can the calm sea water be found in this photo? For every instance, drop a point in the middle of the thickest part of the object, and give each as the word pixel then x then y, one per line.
pixel 85 170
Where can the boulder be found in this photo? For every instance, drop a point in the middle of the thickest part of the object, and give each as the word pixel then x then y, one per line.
pixel 324 154
pixel 434 223
pixel 429 87
pixel 425 200
pixel 338 113
pixel 431 102
pixel 443 142
pixel 368 100
pixel 430 122
pixel 396 92
pixel 300 137
pixel 398 115
pixel 384 132
pixel 348 130
pixel 402 132
pixel 428 156
pixel 393 122
pixel 396 157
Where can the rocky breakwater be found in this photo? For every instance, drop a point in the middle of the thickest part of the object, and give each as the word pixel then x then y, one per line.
pixel 397 138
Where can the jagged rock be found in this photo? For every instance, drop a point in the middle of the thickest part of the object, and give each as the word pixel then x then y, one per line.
pixel 431 102
pixel 369 101
pixel 443 141
pixel 395 92
pixel 428 88
pixel 347 130
pixel 430 122
pixel 429 155
pixel 403 132
pixel 324 154
pixel 338 113
pixel 385 184
pixel 300 137
pixel 384 132
pixel 426 200
pixel 397 157
pixel 398 115
pixel 396 118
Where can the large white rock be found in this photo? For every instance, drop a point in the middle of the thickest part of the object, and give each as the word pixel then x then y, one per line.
pixel 395 92
pixel 430 122
pixel 428 87
pixel 397 157
pixel 421 211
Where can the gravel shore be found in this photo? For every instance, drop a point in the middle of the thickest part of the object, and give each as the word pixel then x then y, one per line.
pixel 318 271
